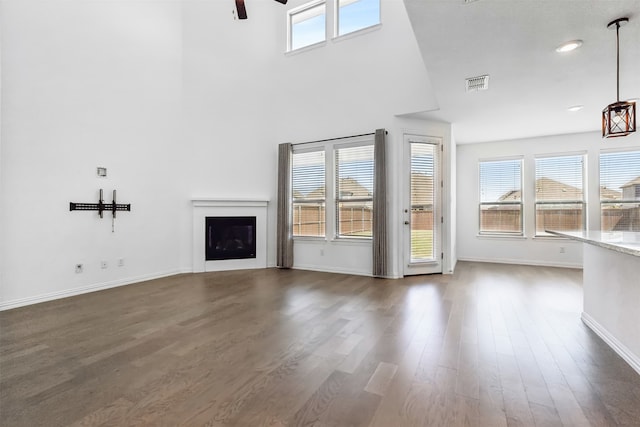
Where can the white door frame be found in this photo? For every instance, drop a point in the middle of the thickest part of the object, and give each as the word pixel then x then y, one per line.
pixel 435 265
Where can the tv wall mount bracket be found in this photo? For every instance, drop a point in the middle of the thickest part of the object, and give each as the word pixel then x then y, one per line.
pixel 101 206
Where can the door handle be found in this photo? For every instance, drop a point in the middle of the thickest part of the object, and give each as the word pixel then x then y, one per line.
pixel 406 222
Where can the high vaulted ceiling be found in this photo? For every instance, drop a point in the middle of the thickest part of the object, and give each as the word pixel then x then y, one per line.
pixel 531 85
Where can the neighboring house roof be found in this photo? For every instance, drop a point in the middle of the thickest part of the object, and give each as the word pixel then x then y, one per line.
pixel 546 189
pixel 421 194
pixel 511 196
pixel 635 181
pixel 349 187
pixel 550 189
pixel 609 194
pixel 318 193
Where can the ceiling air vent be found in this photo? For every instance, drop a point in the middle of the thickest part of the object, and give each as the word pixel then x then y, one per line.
pixel 474 84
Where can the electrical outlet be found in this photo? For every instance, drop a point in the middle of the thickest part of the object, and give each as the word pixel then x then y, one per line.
pixel 561 249
pixel 103 264
pixel 321 252
pixel 120 262
pixel 78 268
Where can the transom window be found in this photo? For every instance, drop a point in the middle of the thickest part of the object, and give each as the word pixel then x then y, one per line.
pixel 307 25
pixel 501 197
pixel 354 15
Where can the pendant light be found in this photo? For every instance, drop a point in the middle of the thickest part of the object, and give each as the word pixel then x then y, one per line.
pixel 619 118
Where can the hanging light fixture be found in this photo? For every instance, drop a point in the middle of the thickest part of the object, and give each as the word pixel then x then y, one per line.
pixel 619 118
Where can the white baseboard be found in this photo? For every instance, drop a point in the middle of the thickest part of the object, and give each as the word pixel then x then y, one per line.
pixel 331 270
pixel 632 359
pixel 523 262
pixel 21 302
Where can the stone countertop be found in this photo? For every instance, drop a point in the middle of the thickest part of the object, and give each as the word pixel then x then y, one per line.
pixel 626 242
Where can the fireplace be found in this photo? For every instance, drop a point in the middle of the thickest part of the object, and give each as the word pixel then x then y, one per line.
pixel 230 237
pixel 232 253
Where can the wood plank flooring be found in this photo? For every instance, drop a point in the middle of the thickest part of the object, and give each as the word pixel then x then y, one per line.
pixel 492 345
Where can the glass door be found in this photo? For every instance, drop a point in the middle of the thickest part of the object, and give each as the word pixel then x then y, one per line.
pixel 422 205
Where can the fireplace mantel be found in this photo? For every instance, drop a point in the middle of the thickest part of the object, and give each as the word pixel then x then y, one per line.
pixel 209 202
pixel 208 207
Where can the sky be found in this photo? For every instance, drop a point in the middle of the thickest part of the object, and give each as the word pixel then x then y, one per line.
pixel 354 15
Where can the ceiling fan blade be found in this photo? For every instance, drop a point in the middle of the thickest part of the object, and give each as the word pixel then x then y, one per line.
pixel 282 1
pixel 242 11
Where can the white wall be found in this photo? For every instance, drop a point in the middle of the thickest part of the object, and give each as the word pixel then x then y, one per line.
pixel 527 250
pixel 229 147
pixel 88 84
pixel 179 101
pixel 349 86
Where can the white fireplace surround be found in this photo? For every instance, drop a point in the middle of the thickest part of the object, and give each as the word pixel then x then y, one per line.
pixel 210 207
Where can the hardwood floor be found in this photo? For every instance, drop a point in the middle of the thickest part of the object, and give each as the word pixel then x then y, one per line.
pixel 492 345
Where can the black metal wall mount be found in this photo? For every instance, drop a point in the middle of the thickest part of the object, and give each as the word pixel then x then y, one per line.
pixel 101 206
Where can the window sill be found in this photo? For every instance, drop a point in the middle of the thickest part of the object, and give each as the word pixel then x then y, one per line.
pixel 357 33
pixel 305 48
pixel 310 239
pixel 352 240
pixel 550 238
pixel 501 236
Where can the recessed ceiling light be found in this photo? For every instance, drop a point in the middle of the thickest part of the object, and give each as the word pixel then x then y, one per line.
pixel 569 46
pixel 575 108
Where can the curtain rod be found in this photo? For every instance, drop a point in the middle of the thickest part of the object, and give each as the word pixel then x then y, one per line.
pixel 335 139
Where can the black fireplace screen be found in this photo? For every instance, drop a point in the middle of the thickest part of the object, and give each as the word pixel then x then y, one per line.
pixel 230 237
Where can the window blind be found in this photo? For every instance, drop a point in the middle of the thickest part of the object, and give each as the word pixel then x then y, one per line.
pixel 308 193
pixel 620 191
pixel 354 190
pixel 501 196
pixel 423 189
pixel 559 193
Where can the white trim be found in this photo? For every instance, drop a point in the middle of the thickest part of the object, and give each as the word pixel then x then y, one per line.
pixel 21 302
pixel 536 263
pixel 299 10
pixel 311 46
pixel 323 269
pixel 435 265
pixel 497 236
pixel 203 207
pixel 560 154
pixel 356 33
pixel 621 350
pixel 210 202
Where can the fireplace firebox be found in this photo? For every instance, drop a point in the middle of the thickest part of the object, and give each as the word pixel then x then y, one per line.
pixel 230 237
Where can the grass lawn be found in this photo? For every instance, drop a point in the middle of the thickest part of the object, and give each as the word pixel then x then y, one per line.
pixel 421 244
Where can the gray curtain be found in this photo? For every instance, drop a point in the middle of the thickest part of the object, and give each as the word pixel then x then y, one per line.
pixel 380 258
pixel 284 254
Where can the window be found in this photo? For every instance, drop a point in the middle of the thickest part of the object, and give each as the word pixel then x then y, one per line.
pixel 501 197
pixel 354 191
pixel 354 15
pixel 620 191
pixel 308 189
pixel 559 194
pixel 342 206
pixel 306 25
